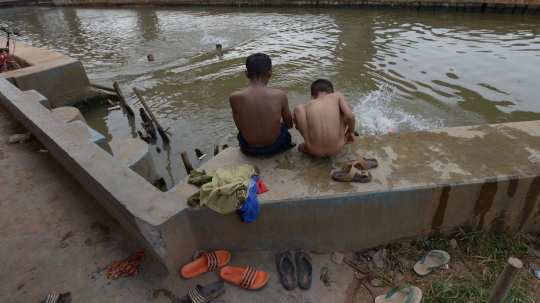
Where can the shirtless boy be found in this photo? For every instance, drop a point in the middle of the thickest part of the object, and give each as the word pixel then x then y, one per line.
pixel 323 120
pixel 260 113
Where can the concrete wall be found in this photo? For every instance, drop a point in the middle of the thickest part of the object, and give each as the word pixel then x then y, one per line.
pixel 427 183
pixel 61 79
pixel 490 6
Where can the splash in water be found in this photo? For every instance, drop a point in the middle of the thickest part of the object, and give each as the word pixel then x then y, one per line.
pixel 379 112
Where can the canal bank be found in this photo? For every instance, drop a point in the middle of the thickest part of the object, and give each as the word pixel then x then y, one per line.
pixel 529 7
pixel 427 183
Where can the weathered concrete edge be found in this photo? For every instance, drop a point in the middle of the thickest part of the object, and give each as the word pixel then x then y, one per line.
pixel 356 221
pixel 75 146
pixel 346 222
pixel 59 78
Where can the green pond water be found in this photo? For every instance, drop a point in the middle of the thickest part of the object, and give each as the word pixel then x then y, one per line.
pixel 412 70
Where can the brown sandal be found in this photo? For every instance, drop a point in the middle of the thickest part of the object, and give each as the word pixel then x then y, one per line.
pixel 353 175
pixel 362 163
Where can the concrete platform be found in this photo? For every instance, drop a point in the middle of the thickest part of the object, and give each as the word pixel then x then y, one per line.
pixel 61 79
pixel 55 237
pixel 68 114
pixel 427 182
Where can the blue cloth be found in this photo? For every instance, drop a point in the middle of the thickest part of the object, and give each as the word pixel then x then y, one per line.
pixel 251 208
pixel 282 144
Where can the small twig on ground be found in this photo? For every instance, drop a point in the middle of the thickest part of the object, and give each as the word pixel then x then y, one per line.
pixel 325 275
pixel 370 292
pixel 366 271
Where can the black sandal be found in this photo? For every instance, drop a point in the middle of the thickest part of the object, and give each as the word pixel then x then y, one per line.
pixel 285 265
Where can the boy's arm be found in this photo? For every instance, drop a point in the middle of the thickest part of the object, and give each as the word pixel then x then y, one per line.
pixel 286 112
pixel 232 102
pixel 351 119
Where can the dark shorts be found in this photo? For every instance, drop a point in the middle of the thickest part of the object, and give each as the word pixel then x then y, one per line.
pixel 282 144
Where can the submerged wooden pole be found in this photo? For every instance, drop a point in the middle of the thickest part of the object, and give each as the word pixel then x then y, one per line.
pixel 187 164
pixel 216 150
pixel 506 279
pixel 120 96
pixel 159 128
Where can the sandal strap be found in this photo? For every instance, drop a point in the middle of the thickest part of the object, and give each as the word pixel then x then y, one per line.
pixel 249 277
pixel 195 295
pixel 433 267
pixel 395 289
pixel 362 162
pixel 52 297
pixel 213 260
pixel 352 173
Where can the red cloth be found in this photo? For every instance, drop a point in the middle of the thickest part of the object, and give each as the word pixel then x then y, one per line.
pixel 262 187
pixel 126 267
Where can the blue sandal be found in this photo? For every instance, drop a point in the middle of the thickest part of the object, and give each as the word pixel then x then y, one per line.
pixel 409 294
pixel 430 262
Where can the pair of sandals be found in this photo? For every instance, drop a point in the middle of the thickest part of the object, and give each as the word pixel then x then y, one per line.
pixel 287 269
pixel 409 294
pixel 353 171
pixel 248 277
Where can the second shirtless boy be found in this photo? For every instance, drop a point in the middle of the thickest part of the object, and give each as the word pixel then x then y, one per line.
pixel 261 114
pixel 323 121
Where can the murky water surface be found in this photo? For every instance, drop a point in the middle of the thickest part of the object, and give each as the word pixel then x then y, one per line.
pixel 413 70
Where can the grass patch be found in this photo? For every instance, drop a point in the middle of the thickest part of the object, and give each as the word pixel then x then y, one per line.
pixel 475 265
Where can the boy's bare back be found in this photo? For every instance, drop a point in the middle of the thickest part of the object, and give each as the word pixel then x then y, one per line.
pixel 257 112
pixel 323 123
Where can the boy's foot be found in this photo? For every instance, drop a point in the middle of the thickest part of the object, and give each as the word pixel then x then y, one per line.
pixel 302 148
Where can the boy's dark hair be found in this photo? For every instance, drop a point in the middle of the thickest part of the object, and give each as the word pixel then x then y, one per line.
pixel 321 85
pixel 258 65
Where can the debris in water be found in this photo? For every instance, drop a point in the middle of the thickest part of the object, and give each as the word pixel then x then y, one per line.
pixel 144 137
pixel 115 108
pixel 199 154
pixel 158 149
pixel 43 151
pixel 20 137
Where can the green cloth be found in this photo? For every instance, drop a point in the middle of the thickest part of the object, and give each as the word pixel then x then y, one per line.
pixel 228 189
pixel 197 178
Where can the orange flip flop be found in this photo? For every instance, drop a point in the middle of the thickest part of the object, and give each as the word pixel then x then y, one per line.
pixel 207 262
pixel 248 277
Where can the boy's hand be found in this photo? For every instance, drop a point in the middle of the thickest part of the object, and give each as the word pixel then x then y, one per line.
pixel 349 137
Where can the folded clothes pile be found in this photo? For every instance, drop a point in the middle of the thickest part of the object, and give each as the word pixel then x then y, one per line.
pixel 229 190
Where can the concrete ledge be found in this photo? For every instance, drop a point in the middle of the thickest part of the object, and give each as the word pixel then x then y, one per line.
pixel 530 7
pixel 59 78
pixel 68 114
pixel 427 183
pixel 135 154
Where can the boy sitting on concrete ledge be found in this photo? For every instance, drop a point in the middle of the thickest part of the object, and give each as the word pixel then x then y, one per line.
pixel 323 120
pixel 261 114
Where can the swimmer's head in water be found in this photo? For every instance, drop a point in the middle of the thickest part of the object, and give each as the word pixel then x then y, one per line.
pixel 321 85
pixel 258 65
pixel 150 57
pixel 218 46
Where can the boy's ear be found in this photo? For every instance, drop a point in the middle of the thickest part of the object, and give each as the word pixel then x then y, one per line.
pixel 269 73
pixel 247 74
